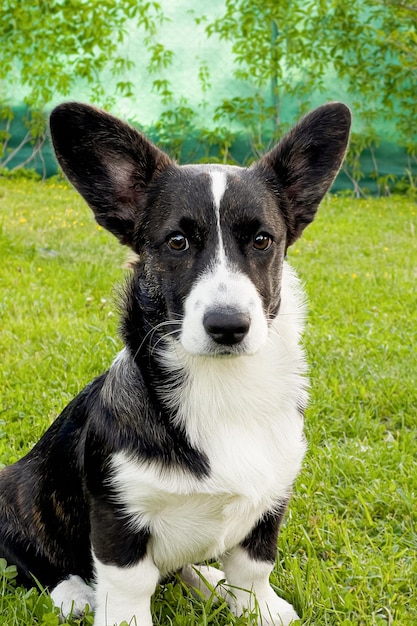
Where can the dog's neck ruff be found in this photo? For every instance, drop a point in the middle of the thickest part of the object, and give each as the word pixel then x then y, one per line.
pixel 207 392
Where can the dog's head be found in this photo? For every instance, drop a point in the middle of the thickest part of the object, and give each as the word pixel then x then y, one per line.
pixel 210 239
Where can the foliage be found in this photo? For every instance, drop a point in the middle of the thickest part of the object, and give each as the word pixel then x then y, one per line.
pixel 347 549
pixel 373 49
pixel 48 46
pixel 271 54
pixel 284 52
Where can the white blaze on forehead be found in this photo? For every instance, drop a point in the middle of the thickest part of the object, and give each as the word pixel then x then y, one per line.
pixel 218 188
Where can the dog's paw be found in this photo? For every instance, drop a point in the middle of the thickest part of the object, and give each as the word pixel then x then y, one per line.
pixel 72 596
pixel 277 613
pixel 269 609
pixel 204 580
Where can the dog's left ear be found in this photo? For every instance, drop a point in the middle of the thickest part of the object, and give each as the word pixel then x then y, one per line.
pixel 305 162
pixel 108 162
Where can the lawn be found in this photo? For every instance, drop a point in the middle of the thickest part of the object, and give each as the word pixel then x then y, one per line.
pixel 347 550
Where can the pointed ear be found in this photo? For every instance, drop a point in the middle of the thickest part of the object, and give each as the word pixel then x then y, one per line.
pixel 107 161
pixel 302 167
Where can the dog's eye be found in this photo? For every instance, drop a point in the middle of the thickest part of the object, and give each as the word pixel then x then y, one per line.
pixel 262 241
pixel 178 242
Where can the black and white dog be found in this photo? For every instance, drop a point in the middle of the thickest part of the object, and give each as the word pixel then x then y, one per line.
pixel 186 449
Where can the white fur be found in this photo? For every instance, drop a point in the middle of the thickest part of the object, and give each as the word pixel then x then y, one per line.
pixel 124 594
pixel 243 413
pixel 71 596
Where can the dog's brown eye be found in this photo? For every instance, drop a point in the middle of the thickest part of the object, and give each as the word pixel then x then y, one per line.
pixel 178 242
pixel 262 241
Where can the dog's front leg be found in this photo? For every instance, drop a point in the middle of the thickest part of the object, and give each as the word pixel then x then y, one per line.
pixel 125 574
pixel 248 567
pixel 124 593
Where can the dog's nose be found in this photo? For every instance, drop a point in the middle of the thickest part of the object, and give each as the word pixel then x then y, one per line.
pixel 226 326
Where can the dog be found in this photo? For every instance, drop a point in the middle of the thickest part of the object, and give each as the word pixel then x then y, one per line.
pixel 187 448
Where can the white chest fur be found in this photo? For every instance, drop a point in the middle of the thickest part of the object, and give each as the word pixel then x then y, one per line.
pixel 243 414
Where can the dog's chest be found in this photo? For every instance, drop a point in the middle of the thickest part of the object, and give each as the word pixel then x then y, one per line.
pixel 252 468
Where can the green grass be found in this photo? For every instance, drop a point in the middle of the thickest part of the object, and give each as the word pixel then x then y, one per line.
pixel 347 551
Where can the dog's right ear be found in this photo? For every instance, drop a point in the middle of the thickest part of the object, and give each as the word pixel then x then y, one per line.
pixel 107 161
pixel 303 165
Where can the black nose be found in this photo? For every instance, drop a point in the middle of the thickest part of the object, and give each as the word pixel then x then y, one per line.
pixel 226 326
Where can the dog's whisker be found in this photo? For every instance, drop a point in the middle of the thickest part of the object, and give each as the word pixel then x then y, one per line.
pixel 164 336
pixel 153 330
pixel 275 332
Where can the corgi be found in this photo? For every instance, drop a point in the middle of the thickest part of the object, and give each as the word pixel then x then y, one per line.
pixel 187 448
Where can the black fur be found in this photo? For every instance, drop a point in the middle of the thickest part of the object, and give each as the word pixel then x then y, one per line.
pixel 261 543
